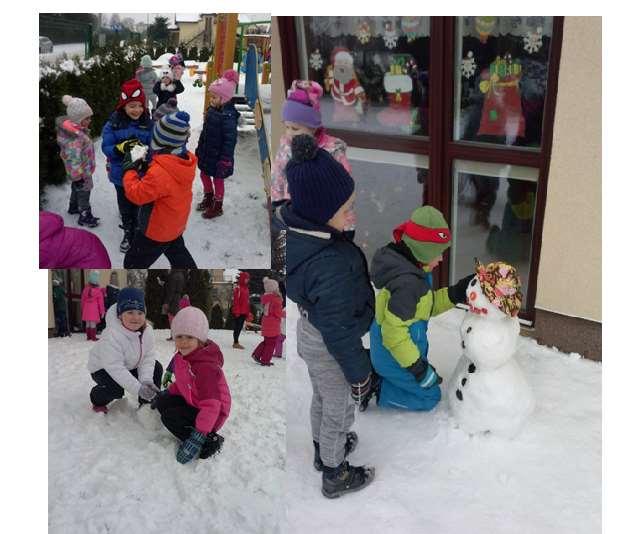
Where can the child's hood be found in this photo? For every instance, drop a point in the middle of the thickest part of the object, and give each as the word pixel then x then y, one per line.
pixel 208 354
pixel 388 264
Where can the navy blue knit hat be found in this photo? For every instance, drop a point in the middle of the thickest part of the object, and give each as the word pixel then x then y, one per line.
pixel 130 298
pixel 318 184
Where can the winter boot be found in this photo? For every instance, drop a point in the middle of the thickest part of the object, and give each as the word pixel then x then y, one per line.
pixel 100 409
pixel 87 219
pixel 207 201
pixel 212 445
pixel 237 345
pixel 351 440
pixel 214 210
pixel 344 479
pixel 374 389
pixel 124 246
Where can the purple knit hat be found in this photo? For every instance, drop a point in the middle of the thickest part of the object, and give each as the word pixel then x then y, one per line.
pixel 302 104
pixel 190 321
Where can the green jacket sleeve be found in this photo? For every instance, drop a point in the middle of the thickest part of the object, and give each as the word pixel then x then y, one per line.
pixel 441 302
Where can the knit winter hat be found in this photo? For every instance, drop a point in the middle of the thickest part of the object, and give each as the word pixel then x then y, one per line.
pixel 501 285
pixel 270 285
pixel 146 61
pixel 94 277
pixel 77 108
pixel 318 184
pixel 131 91
pixel 169 107
pixel 426 233
pixel 171 132
pixel 190 321
pixel 130 298
pixel 302 104
pixel 224 87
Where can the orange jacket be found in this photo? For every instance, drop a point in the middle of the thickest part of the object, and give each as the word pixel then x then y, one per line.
pixel 166 188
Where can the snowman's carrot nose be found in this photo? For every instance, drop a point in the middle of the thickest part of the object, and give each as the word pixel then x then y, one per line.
pixel 472 295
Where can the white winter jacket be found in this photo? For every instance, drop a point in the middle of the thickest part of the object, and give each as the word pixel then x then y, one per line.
pixel 120 350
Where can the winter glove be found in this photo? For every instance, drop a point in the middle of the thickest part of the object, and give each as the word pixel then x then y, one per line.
pixel 148 391
pixel 360 390
pixel 167 378
pixel 161 395
pixel 125 146
pixel 224 168
pixel 212 445
pixel 190 448
pixel 457 292
pixel 424 373
pixel 134 159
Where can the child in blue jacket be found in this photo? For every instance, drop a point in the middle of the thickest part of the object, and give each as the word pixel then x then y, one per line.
pixel 128 124
pixel 327 277
pixel 215 150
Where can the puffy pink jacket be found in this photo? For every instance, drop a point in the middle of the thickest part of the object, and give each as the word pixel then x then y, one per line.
pixel 272 316
pixel 92 303
pixel 202 383
pixel 68 248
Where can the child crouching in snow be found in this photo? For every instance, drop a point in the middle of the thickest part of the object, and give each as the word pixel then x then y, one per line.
pixel 78 156
pixel 270 324
pixel 197 404
pixel 124 358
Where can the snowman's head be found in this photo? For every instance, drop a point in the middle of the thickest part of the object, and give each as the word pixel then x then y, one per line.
pixel 479 304
pixel 495 290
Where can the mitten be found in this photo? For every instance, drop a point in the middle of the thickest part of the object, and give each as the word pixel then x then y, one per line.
pixel 134 159
pixel 224 168
pixel 212 445
pixel 190 448
pixel 360 390
pixel 167 378
pixel 148 391
pixel 457 292
pixel 424 373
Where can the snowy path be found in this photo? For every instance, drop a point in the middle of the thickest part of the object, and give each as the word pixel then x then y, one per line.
pixel 118 473
pixel 433 478
pixel 238 238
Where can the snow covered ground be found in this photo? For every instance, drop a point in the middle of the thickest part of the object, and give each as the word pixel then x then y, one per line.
pixel 238 238
pixel 118 473
pixel 433 478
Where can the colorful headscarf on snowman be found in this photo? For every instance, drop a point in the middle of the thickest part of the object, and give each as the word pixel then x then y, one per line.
pixel 501 285
pixel 426 233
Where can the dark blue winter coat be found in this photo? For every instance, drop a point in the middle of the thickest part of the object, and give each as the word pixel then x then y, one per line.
pixel 215 150
pixel 118 128
pixel 327 276
pixel 165 95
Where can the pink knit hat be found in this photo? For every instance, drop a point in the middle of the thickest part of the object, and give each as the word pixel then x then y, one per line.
pixel 270 285
pixel 190 321
pixel 224 87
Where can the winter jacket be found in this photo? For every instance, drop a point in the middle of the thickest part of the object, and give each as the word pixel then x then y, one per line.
pixel 202 383
pixel 404 305
pixel 327 277
pixel 120 350
pixel 77 151
pixel 165 92
pixel 241 296
pixel 120 127
pixel 147 77
pixel 215 149
pixel 110 295
pixel 335 146
pixel 174 290
pixel 92 303
pixel 59 299
pixel 68 248
pixel 164 194
pixel 272 314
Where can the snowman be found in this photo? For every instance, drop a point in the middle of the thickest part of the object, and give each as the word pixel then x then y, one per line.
pixel 488 392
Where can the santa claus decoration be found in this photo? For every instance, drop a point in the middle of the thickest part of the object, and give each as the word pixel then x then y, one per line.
pixel 348 95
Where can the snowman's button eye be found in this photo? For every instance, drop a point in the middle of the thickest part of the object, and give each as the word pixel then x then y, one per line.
pixel 473 282
pixel 464 381
pixel 136 93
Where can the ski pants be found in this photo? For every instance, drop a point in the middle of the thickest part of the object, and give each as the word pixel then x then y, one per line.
pixel 79 197
pixel 107 389
pixel 265 349
pixel 239 321
pixel 177 416
pixel 128 210
pixel 145 251
pixel 61 323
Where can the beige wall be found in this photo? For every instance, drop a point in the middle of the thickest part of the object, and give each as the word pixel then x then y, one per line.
pixel 569 279
pixel 277 87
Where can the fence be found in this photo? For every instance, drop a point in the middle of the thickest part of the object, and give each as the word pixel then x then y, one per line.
pixel 68 36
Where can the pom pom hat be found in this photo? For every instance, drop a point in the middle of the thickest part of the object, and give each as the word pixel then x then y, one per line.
pixel 224 87
pixel 77 109
pixel 318 184
pixel 130 298
pixel 426 234
pixel 171 132
pixel 132 91
pixel 190 321
pixel 302 104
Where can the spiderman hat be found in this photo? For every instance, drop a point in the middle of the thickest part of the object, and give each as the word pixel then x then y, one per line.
pixel 132 91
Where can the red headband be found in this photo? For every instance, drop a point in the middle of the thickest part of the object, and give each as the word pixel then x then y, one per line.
pixel 421 233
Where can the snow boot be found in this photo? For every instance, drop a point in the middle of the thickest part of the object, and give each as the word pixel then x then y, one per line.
pixel 237 345
pixel 87 219
pixel 207 201
pixel 374 389
pixel 124 246
pixel 212 445
pixel 351 441
pixel 345 479
pixel 73 209
pixel 214 210
pixel 100 409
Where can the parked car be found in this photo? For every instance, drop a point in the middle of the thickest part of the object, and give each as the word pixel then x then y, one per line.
pixel 45 45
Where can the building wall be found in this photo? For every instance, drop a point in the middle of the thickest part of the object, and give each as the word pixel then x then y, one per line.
pixel 569 279
pixel 277 87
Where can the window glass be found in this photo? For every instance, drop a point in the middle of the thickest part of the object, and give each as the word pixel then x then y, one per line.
pixel 501 70
pixel 374 71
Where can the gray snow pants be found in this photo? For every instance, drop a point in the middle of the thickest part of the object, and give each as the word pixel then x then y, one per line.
pixel 332 407
pixel 79 197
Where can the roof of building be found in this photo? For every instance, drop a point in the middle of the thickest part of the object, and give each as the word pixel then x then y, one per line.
pixel 187 17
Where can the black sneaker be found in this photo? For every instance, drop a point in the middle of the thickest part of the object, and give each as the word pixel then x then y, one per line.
pixel 345 479
pixel 212 445
pixel 374 389
pixel 351 441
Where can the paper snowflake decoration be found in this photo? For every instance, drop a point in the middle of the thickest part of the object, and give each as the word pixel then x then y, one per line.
pixel 364 32
pixel 390 36
pixel 468 66
pixel 533 41
pixel 315 61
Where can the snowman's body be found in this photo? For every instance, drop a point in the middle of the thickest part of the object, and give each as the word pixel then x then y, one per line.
pixel 488 391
